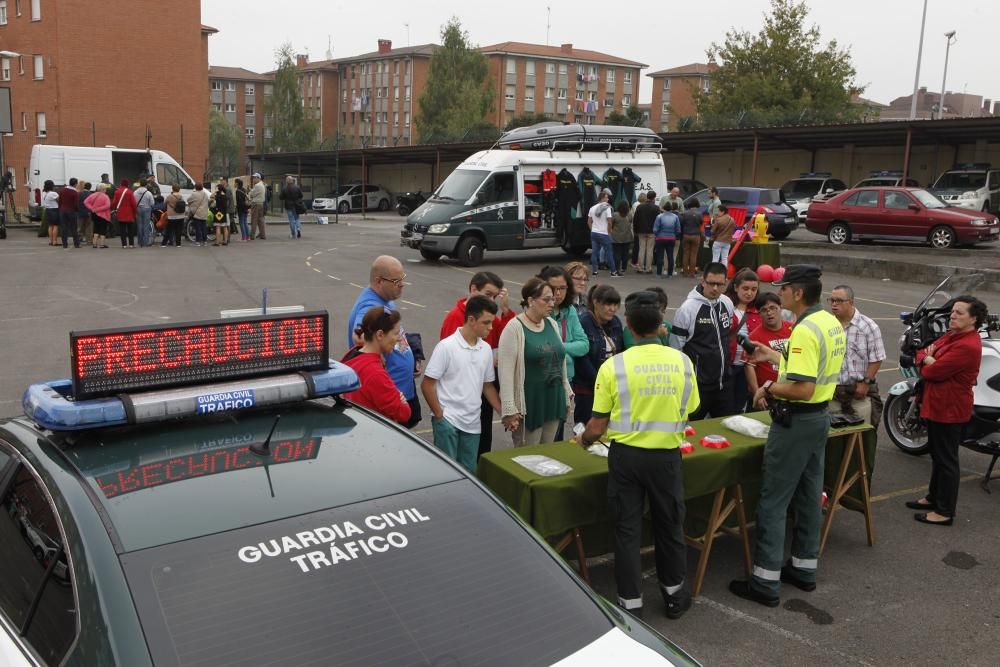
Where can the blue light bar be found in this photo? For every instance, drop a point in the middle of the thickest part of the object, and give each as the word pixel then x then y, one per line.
pixel 815 174
pixel 48 404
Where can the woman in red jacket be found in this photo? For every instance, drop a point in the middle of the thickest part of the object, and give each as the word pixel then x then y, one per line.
pixel 124 206
pixel 379 330
pixel 949 368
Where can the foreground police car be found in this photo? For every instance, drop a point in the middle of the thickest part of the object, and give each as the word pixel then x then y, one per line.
pixel 199 495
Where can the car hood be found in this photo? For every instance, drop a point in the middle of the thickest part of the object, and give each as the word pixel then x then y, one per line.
pixel 957 214
pixel 432 212
pixel 949 191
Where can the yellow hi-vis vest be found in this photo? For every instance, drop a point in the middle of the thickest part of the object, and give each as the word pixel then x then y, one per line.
pixel 648 391
pixel 815 353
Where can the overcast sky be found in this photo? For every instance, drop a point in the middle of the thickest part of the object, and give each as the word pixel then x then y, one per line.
pixel 882 34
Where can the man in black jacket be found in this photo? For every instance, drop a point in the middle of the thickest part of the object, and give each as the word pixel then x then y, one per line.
pixel 291 194
pixel 701 330
pixel 642 227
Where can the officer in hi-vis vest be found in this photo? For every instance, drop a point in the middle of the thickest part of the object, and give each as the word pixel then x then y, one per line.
pixel 796 444
pixel 642 398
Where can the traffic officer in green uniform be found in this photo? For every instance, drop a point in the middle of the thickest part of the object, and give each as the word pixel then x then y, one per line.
pixel 795 450
pixel 642 398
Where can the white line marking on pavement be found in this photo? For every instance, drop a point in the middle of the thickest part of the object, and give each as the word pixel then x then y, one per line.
pixel 330 249
pixel 778 630
pixel 334 277
pixel 412 304
pixel 316 270
pixel 355 285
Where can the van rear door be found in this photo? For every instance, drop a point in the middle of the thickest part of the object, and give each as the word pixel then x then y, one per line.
pixel 130 165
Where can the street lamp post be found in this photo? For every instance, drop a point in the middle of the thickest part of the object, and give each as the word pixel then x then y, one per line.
pixel 950 35
pixel 916 78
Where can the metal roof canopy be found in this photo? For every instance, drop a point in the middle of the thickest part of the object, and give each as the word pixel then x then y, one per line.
pixel 953 132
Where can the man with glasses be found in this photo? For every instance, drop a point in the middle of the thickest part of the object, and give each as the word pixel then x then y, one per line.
pixel 772 332
pixel 701 330
pixel 385 284
pixel 857 387
pixel 489 285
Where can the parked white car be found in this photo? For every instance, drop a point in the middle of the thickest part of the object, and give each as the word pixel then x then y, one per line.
pixel 349 197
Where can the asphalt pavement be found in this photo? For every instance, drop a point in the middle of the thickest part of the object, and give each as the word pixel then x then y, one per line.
pixel 921 595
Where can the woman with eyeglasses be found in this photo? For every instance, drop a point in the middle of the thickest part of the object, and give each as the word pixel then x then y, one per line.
pixel 579 274
pixel 606 339
pixel 379 333
pixel 534 391
pixel 568 320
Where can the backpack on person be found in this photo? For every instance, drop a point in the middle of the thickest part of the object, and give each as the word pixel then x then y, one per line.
pixel 180 205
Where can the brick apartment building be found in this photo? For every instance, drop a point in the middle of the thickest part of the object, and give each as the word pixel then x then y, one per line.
pixel 239 94
pixel 956 105
pixel 673 94
pixel 87 76
pixel 574 85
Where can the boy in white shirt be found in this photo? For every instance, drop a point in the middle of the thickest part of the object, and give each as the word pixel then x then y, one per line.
pixel 459 372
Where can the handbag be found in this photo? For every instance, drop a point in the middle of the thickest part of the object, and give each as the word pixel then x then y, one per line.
pixel 300 208
pixel 160 220
pixel 114 213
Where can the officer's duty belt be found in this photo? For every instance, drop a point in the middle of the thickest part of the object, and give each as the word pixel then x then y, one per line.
pixel 798 408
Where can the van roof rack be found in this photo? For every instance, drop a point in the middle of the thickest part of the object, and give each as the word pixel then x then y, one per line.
pixel 554 136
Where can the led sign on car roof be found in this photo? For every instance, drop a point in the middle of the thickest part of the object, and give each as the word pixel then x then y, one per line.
pixel 113 361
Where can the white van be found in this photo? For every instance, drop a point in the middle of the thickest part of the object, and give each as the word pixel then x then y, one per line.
pixel 86 163
pixel 503 199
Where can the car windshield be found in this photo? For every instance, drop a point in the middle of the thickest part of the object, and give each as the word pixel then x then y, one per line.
pixel 927 199
pixel 952 286
pixel 961 180
pixel 441 575
pixel 799 188
pixel 460 185
pixel 771 197
pixel 155 483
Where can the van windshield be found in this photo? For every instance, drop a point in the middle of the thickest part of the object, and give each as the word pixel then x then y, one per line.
pixel 460 185
pixel 962 180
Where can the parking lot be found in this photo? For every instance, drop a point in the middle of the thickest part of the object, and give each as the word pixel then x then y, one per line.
pixel 921 595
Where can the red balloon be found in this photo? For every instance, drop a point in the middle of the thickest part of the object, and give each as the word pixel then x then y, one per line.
pixel 765 272
pixel 779 273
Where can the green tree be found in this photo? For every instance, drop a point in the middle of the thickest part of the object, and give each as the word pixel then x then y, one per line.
pixel 223 144
pixel 781 75
pixel 458 94
pixel 291 130
pixel 633 116
pixel 526 119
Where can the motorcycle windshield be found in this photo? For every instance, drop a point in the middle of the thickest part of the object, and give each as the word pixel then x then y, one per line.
pixel 952 286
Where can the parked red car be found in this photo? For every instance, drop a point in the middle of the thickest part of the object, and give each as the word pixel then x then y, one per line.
pixel 912 214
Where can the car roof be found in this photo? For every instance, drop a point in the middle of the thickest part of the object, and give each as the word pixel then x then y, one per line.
pixel 198 477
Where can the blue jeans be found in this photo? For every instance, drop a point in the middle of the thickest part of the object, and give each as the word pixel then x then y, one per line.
pixel 244 227
pixel 143 226
pixel 599 242
pixel 200 231
pixel 294 226
pixel 456 444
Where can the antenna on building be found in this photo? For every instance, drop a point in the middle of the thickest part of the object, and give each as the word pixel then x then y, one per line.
pixel 329 47
pixel 548 23
pixel 407 26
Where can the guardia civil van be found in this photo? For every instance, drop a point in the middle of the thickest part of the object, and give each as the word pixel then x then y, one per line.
pixel 533 189
pixel 202 494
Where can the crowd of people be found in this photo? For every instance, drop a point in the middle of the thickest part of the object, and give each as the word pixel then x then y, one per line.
pixel 564 360
pixel 136 212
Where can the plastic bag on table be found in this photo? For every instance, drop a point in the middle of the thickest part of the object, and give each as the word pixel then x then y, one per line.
pixel 542 465
pixel 746 426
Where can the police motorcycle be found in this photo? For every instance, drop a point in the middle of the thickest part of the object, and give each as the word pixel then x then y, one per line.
pixel 408 202
pixel 924 325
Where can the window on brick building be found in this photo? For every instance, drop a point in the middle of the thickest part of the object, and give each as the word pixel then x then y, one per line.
pixel 510 92
pixel 4 69
pixel 562 93
pixel 627 100
pixel 511 66
pixel 269 89
pixel 665 109
pixel 529 68
pixel 250 133
pixel 20 65
pixel 395 119
pixel 550 68
pixel 36 10
pixel 217 106
pixel 249 89
pixel 579 94
pixel 231 85
pixel 593 95
pixel 627 76
pixel 24 121
pixel 529 93
pixel 406 118
pixel 251 110
pixel 609 101
pixel 593 70
pixel 39 63
pixel 230 108
pixel 216 85
pixel 40 123
pixel 406 65
pixel 3 12
pixel 706 85
pixel 395 67
pixel 548 93
pixel 406 93
pixel 562 68
pixel 395 92
pixel 611 75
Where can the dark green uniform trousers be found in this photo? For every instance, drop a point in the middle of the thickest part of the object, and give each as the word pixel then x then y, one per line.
pixel 793 475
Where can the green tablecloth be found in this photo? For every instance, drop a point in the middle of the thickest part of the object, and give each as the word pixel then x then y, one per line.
pixel 749 255
pixel 555 505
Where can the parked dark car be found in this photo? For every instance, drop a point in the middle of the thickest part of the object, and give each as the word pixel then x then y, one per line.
pixel 912 214
pixel 781 219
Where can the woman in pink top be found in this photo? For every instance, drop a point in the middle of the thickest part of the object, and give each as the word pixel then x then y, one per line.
pixel 99 205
